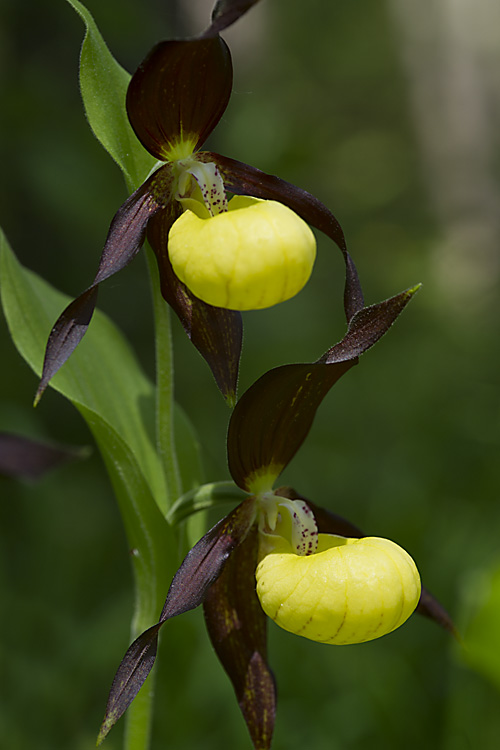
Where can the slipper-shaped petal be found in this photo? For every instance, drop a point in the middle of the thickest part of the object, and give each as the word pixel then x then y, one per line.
pixel 331 523
pixel 241 178
pixel 348 591
pixel 252 256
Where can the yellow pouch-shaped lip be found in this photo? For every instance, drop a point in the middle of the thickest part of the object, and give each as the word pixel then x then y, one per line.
pixel 254 255
pixel 349 591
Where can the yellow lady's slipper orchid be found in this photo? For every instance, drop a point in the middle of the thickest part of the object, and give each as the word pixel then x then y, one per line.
pixel 252 256
pixel 348 591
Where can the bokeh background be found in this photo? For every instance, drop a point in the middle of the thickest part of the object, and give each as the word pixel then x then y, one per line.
pixel 389 113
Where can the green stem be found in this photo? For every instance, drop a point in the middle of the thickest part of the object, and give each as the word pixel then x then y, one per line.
pixel 139 717
pixel 165 435
pixel 140 712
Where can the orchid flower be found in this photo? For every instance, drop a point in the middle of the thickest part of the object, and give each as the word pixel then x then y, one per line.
pixel 258 245
pixel 279 554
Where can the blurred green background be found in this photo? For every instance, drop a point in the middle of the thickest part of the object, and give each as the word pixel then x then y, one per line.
pixel 388 112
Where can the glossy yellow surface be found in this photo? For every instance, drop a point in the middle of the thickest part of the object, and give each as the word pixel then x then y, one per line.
pixel 349 591
pixel 254 255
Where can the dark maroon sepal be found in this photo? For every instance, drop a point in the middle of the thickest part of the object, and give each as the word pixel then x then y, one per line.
pixel 179 93
pixel 216 333
pixel 199 570
pixel 125 238
pixel 241 178
pixel 367 326
pixel 225 13
pixel 204 563
pixel 23 458
pixel 236 625
pixel 273 417
pixel 430 607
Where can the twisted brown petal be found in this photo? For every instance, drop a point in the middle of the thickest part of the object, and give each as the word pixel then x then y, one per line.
pixel 216 333
pixel 241 178
pixel 236 625
pixel 199 570
pixel 125 238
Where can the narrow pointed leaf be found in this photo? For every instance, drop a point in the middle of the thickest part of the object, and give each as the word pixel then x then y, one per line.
pixel 273 417
pixel 226 12
pixel 103 84
pixel 242 178
pixel 216 333
pixel 331 523
pixel 125 238
pixel 198 571
pixel 178 95
pixel 22 457
pixel 236 625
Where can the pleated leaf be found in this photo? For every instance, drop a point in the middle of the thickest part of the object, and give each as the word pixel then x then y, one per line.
pixel 99 380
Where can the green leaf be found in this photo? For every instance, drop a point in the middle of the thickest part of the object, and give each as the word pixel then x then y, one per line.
pixel 105 383
pixel 102 376
pixel 103 84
